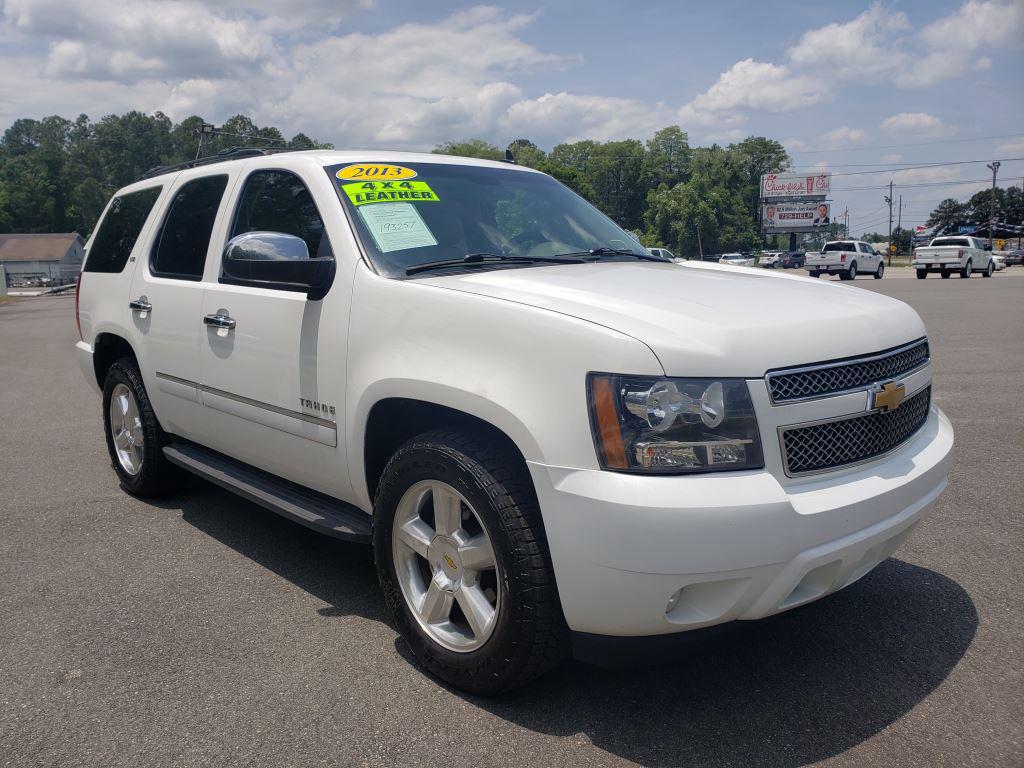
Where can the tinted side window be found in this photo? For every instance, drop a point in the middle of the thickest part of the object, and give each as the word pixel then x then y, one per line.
pixel 278 201
pixel 180 248
pixel 119 230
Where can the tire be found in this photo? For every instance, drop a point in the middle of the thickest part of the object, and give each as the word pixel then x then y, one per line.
pixel 966 271
pixel 945 274
pixel 850 273
pixel 989 270
pixel 141 472
pixel 880 271
pixel 922 274
pixel 526 635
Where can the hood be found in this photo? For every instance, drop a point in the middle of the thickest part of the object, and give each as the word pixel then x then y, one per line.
pixel 703 319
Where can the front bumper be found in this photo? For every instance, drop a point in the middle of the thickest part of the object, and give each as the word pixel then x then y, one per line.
pixel 732 546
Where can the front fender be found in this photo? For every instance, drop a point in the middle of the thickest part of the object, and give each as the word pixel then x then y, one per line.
pixel 520 368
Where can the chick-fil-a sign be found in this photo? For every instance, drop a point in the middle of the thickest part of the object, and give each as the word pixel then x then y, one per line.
pixel 795 184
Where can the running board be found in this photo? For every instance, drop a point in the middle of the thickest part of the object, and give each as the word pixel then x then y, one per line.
pixel 315 510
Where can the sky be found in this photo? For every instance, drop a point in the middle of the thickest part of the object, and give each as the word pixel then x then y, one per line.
pixel 846 87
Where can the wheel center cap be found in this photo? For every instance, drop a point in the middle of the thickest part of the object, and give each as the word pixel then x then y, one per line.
pixel 444 556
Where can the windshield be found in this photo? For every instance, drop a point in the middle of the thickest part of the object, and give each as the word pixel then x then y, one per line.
pixel 407 214
pixel 839 247
pixel 957 241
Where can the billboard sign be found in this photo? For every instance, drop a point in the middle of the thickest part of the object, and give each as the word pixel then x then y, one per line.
pixel 793 185
pixel 806 216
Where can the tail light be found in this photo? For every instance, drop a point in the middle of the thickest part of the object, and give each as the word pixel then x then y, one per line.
pixel 842 257
pixel 78 319
pixel 959 254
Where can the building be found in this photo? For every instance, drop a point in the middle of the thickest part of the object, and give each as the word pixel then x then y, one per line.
pixel 43 259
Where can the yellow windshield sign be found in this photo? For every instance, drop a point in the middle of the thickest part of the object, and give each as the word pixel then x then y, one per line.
pixel 375 172
pixel 363 192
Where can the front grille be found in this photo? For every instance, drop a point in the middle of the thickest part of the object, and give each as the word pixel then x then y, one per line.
pixel 829 378
pixel 833 444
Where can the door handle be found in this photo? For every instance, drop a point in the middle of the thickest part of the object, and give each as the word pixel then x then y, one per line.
pixel 140 304
pixel 219 321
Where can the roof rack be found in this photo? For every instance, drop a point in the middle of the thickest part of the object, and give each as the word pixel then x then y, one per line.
pixel 231 153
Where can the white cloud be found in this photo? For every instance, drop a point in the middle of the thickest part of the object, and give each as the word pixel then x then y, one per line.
pixel 753 85
pixel 954 42
pixel 1015 147
pixel 853 49
pixel 844 135
pixel 917 124
pixel 564 116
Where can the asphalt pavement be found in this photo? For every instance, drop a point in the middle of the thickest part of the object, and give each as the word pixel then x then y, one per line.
pixel 202 630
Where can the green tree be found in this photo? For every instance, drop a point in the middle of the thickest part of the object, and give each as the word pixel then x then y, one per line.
pixel 470 148
pixel 668 156
pixel 948 216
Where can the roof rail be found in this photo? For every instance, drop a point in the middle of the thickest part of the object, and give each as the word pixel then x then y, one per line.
pixel 232 153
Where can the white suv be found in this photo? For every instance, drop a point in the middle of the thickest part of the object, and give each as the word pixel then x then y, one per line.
pixel 553 440
pixel 846 258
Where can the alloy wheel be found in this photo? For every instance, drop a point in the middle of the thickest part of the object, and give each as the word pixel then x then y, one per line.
pixel 126 429
pixel 445 564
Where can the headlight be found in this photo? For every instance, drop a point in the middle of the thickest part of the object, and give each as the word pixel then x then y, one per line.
pixel 673 426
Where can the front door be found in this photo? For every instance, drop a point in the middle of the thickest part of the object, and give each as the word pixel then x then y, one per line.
pixel 272 362
pixel 167 301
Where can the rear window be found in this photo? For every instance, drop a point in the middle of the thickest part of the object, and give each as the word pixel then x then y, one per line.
pixel 844 246
pixel 180 249
pixel 114 240
pixel 959 242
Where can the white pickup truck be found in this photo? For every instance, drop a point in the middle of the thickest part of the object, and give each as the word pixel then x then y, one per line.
pixel 954 253
pixel 552 439
pixel 846 258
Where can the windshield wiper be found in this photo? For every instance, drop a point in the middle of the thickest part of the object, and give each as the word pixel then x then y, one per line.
pixel 597 253
pixel 473 259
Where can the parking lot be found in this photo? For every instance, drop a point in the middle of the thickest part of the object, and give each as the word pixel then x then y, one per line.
pixel 202 630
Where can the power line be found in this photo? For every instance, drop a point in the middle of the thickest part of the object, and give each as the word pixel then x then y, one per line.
pixel 919 167
pixel 919 184
pixel 899 146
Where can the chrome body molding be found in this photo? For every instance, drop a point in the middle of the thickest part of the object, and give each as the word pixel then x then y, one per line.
pixel 283 419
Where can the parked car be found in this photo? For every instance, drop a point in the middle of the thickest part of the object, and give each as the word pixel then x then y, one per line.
pixel 846 258
pixel 1000 261
pixel 770 259
pixel 662 253
pixel 354 340
pixel 736 260
pixel 793 260
pixel 1015 258
pixel 960 254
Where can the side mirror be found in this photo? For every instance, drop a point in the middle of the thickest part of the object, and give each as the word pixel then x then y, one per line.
pixel 988 247
pixel 277 260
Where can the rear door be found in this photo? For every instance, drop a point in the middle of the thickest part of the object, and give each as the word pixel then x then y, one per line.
pixel 167 300
pixel 274 383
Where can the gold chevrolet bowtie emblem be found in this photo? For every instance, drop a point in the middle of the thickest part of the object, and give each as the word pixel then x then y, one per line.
pixel 889 397
pixel 448 560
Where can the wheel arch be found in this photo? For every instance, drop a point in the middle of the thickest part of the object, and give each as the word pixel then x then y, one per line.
pixel 393 420
pixel 107 348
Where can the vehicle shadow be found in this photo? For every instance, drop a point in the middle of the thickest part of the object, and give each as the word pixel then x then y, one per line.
pixel 785 691
pixel 793 689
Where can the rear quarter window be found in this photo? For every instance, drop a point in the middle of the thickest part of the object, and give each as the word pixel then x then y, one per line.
pixel 114 240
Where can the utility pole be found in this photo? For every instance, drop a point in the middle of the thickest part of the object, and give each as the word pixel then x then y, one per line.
pixel 888 199
pixel 1021 230
pixel 994 167
pixel 700 246
pixel 899 218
